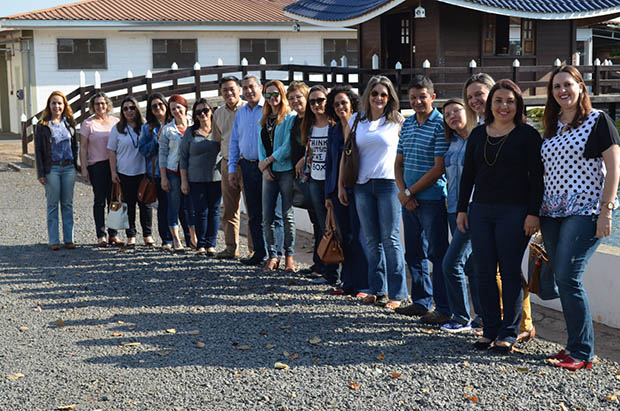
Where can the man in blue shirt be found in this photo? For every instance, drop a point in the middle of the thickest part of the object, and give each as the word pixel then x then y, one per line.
pixel 419 170
pixel 243 152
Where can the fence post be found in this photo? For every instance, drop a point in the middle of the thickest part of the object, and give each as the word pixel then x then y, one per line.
pixel 399 79
pixel 596 80
pixel 244 68
pixel 263 72
pixel 426 65
pixel 24 134
pixel 97 81
pixel 149 82
pixel 128 79
pixel 197 80
pixel 175 82
pixel 472 67
pixel 83 104
pixel 515 70
pixel 333 64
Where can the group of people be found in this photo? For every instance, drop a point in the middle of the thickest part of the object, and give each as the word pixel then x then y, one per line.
pixel 478 170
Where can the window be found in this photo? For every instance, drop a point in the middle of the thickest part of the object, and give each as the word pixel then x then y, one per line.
pixel 254 49
pixel 180 51
pixel 81 54
pixel 334 49
pixel 404 31
pixel 505 35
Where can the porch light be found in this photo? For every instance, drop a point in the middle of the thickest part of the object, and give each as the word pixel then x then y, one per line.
pixel 420 12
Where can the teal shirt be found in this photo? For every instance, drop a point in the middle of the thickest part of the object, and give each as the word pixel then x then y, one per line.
pixel 281 145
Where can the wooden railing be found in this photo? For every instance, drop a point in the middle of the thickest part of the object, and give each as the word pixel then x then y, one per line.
pixel 448 82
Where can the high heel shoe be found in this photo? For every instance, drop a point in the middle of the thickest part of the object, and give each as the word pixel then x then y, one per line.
pixel 271 264
pixel 572 364
pixel 526 336
pixel 289 264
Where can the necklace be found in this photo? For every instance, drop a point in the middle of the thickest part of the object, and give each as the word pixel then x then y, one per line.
pixel 130 132
pixel 489 143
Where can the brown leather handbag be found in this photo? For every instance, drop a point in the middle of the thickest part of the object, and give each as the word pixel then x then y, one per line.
pixel 351 157
pixel 147 190
pixel 329 249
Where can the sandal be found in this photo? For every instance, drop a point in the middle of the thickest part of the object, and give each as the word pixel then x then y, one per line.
pixel 483 344
pixel 289 264
pixel 393 304
pixel 369 299
pixel 201 251
pixel 361 295
pixel 526 336
pixel 116 242
pixel 148 241
pixel 271 264
pixel 382 300
pixel 502 347
pixel 102 243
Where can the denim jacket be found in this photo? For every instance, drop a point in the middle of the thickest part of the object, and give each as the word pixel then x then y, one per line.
pixel 149 147
pixel 169 144
pixel 454 160
pixel 281 145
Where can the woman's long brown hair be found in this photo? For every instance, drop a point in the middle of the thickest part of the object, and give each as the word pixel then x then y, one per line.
pixel 67 112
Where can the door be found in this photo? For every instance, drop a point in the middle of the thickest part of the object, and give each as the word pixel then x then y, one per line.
pixel 398 39
pixel 5 114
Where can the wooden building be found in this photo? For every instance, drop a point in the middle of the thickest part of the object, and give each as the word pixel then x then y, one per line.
pixel 451 33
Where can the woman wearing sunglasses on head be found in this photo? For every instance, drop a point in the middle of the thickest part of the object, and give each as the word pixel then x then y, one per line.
pixel 200 159
pixel 127 167
pixel 274 154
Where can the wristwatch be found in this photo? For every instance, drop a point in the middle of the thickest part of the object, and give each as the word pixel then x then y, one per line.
pixel 609 205
pixel 407 192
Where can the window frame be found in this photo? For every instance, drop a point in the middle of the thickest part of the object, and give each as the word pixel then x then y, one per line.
pixel 84 48
pixel 179 51
pixel 348 47
pixel 266 41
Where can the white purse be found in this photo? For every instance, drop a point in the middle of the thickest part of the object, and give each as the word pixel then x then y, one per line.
pixel 117 211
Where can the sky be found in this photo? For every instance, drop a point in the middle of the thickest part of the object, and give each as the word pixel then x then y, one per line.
pixel 9 7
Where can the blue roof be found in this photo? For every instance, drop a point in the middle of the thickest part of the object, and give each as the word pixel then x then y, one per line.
pixel 341 10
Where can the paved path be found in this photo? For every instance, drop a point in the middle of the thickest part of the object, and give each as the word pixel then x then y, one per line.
pixel 119 329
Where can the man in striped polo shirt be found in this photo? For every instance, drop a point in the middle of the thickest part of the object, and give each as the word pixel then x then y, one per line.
pixel 420 178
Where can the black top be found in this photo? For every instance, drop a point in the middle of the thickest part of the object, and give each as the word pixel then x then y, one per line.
pixel 604 135
pixel 297 149
pixel 516 177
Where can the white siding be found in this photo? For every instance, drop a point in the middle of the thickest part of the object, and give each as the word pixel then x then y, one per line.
pixel 133 51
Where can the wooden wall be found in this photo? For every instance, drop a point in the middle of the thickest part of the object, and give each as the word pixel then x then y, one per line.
pixel 426 35
pixel 460 35
pixel 369 41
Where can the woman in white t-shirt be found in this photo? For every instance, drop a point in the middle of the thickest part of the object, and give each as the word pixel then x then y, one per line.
pixel 128 166
pixel 314 130
pixel 376 135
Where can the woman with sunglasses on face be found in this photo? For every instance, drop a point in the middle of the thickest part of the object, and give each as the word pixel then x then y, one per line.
pixel 95 161
pixel 377 130
pixel 502 160
pixel 314 130
pixel 297 95
pixel 56 160
pixel 581 157
pixel 341 104
pixel 169 144
pixel 157 115
pixel 127 167
pixel 274 154
pixel 201 177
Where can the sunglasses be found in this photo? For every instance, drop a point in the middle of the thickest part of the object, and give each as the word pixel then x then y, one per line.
pixel 376 93
pixel 275 94
pixel 157 105
pixel 204 111
pixel 129 108
pixel 318 101
pixel 340 103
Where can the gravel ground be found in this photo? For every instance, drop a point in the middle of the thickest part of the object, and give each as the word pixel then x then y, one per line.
pixel 116 329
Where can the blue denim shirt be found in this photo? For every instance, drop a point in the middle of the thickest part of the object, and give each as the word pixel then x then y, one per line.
pixel 61 141
pixel 243 137
pixel 455 160
pixel 149 147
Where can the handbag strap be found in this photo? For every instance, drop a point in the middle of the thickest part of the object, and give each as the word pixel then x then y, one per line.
pixel 116 189
pixel 153 169
pixel 354 128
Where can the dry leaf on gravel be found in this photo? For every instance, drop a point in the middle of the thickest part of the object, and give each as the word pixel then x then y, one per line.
pixel 117 334
pixel 286 354
pixel 563 406
pixel 15 376
pixel 66 407
pixel 243 347
pixel 263 333
pixel 163 353
pixel 130 344
pixel 270 346
pixel 294 357
pixel 395 375
pixel 120 322
pixel 316 360
pixel 194 332
pixel 381 356
pixel 469 388
pixel 354 386
pixel 428 331
pixel 60 323
pixel 314 340
pixel 200 344
pixel 466 363
pixel 472 398
pixel 523 370
pixel 281 366
pixel 24 328
pixel 426 390
pixel 171 331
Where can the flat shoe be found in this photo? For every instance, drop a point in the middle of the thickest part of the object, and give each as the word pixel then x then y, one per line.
pixel 573 364
pixel 102 243
pixel 361 295
pixel 502 349
pixel 116 242
pixel 482 345
pixel 369 299
pixel 337 291
pixel 271 264
pixel 55 247
pixel 526 336
pixel 382 300
pixel 561 356
pixel 70 246
pixel 149 242
pixel 392 304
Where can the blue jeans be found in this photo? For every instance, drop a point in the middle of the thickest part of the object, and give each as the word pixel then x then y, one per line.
pixel 457 266
pixel 379 213
pixel 426 239
pixel 570 242
pixel 59 189
pixel 316 191
pixel 206 198
pixel 354 273
pixel 162 214
pixel 282 185
pixel 497 236
pixel 179 206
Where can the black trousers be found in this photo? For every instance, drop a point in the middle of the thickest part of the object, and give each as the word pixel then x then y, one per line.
pixel 129 185
pixel 101 181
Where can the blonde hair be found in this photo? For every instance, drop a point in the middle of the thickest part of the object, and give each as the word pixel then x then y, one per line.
pixel 391 111
pixel 485 80
pixel 284 108
pixel 66 112
pixel 300 86
pixel 108 102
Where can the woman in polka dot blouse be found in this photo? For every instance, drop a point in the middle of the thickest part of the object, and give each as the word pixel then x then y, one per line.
pixel 581 158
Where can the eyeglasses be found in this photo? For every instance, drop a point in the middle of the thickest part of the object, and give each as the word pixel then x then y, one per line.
pixel 340 103
pixel 317 101
pixel 100 103
pixel 129 108
pixel 204 111
pixel 453 113
pixel 157 105
pixel 376 93
pixel 275 94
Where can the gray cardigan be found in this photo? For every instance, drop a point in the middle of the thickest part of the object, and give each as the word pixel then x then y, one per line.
pixel 201 157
